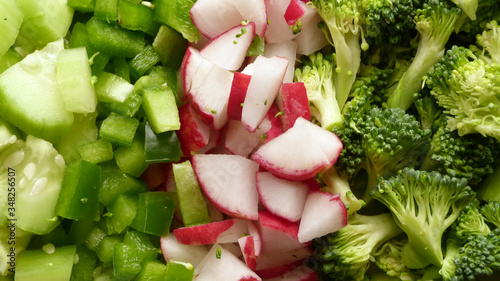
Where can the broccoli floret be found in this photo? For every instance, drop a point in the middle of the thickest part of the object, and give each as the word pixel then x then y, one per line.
pixel 471 156
pixel 478 256
pixel 468 6
pixel 336 184
pixel 470 222
pixel 343 20
pixel 424 205
pixel 318 75
pixel 435 22
pixel 429 112
pixel 491 212
pixel 487 11
pixel 389 21
pixel 467 86
pixel 388 258
pixel 490 40
pixel 346 254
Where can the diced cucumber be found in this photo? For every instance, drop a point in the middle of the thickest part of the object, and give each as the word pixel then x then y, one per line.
pixel 175 13
pixel 12 17
pixel 155 211
pixel 80 38
pixel 116 182
pixel 97 151
pixel 170 45
pixel 39 265
pixel 119 129
pixel 8 134
pixel 83 269
pixel 193 208
pixel 74 77
pixel 135 16
pixel 84 130
pixel 43 22
pixel 79 194
pixel 141 63
pixel 39 176
pixel 8 250
pixel 115 40
pixel 160 107
pixel 10 58
pixel 30 98
pixel 84 6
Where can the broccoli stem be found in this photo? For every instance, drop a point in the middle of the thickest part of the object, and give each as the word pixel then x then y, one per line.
pixel 336 184
pixel 489 190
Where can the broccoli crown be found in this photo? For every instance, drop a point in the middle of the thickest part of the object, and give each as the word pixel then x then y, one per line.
pixel 470 222
pixel 490 40
pixel 428 111
pixel 435 21
pixel 478 256
pixel 346 254
pixel 491 212
pixel 467 88
pixel 389 21
pixel 317 72
pixel 471 156
pixel 424 205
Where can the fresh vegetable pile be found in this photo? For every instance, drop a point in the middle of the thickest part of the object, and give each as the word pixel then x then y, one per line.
pixel 249 140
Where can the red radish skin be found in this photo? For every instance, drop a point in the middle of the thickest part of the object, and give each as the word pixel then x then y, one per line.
pixel 253 231
pixel 193 134
pixel 300 273
pixel 237 95
pixel 299 153
pixel 228 50
pixel 275 116
pixel 226 231
pixel 228 181
pixel 247 247
pixel 294 102
pixel 294 12
pixel 275 264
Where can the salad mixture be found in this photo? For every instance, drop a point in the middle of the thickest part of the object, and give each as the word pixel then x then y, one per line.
pixel 249 140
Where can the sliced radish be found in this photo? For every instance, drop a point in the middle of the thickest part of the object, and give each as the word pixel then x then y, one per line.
pixel 323 213
pixel 173 250
pixel 301 152
pixel 193 134
pixel 294 12
pixel 229 49
pixel 253 230
pixel 278 235
pixel 263 88
pixel 283 198
pixel 247 247
pixel 311 38
pixel 294 103
pixel 274 115
pixel 226 231
pixel 240 141
pixel 237 95
pixel 286 49
pixel 208 86
pixel 228 181
pixel 213 17
pixel 299 273
pixel 213 141
pixel 221 264
pixel 275 264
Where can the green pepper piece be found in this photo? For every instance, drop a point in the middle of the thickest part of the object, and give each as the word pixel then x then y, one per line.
pixel 161 148
pixel 179 271
pixel 155 212
pixel 78 198
pixel 175 13
pixel 83 269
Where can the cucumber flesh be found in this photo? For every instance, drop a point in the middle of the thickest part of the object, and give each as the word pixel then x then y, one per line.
pixel 30 98
pixel 12 18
